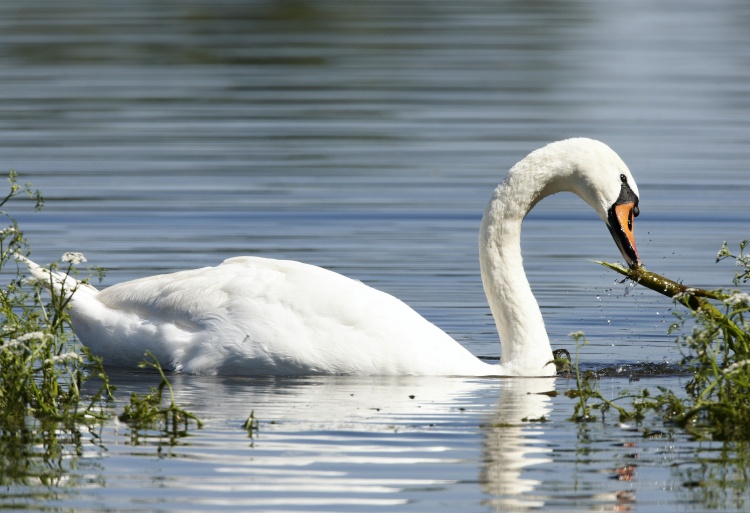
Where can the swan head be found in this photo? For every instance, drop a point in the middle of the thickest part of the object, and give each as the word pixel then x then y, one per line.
pixel 597 174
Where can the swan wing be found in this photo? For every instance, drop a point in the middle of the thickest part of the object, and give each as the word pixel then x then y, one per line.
pixel 253 315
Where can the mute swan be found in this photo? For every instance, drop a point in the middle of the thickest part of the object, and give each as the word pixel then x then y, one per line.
pixel 258 316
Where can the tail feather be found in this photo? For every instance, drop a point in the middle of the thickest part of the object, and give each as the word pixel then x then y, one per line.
pixel 60 283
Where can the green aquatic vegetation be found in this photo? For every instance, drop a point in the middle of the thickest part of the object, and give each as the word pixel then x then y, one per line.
pixel 716 353
pixel 43 368
pixel 43 411
pixel 589 398
pixel 149 412
pixel 252 425
pixel 586 389
pixel 43 454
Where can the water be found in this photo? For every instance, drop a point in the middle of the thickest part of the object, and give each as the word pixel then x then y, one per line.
pixel 366 138
pixel 384 444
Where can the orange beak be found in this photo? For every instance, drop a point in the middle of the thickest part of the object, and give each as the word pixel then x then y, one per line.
pixel 620 217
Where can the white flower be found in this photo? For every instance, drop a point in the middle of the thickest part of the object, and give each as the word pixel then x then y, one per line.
pixel 62 358
pixel 7 231
pixel 737 298
pixel 12 344
pixel 73 257
pixel 736 366
pixel 34 335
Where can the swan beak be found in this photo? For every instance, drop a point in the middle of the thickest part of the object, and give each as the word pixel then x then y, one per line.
pixel 620 224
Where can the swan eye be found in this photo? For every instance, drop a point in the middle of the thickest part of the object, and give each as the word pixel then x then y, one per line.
pixel 623 179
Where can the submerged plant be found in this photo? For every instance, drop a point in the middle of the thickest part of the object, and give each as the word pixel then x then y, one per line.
pixel 716 352
pixel 149 413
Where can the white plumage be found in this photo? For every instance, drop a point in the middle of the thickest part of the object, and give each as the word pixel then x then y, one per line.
pixel 259 316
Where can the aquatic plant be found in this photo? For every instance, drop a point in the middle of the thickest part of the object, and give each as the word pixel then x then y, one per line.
pixel 252 425
pixel 589 398
pixel 716 352
pixel 585 384
pixel 42 409
pixel 149 412
pixel 43 367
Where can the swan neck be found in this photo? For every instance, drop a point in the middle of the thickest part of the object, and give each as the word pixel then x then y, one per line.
pixel 523 337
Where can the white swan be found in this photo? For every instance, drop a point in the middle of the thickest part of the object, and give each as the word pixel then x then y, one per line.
pixel 258 316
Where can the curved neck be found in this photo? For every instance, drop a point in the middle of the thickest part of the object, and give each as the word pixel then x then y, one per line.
pixel 525 344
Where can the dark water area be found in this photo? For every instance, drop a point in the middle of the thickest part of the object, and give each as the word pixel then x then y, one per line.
pixel 367 138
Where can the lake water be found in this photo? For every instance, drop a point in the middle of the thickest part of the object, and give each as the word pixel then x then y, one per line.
pixel 367 138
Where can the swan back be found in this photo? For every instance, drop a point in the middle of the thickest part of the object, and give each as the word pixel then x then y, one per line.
pixel 267 317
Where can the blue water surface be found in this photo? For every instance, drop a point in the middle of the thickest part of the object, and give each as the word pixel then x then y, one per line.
pixel 366 137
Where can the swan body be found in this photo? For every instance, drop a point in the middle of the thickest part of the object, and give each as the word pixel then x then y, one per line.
pixel 259 316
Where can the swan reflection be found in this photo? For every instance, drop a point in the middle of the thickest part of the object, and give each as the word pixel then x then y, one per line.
pixel 514 440
pixel 338 441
